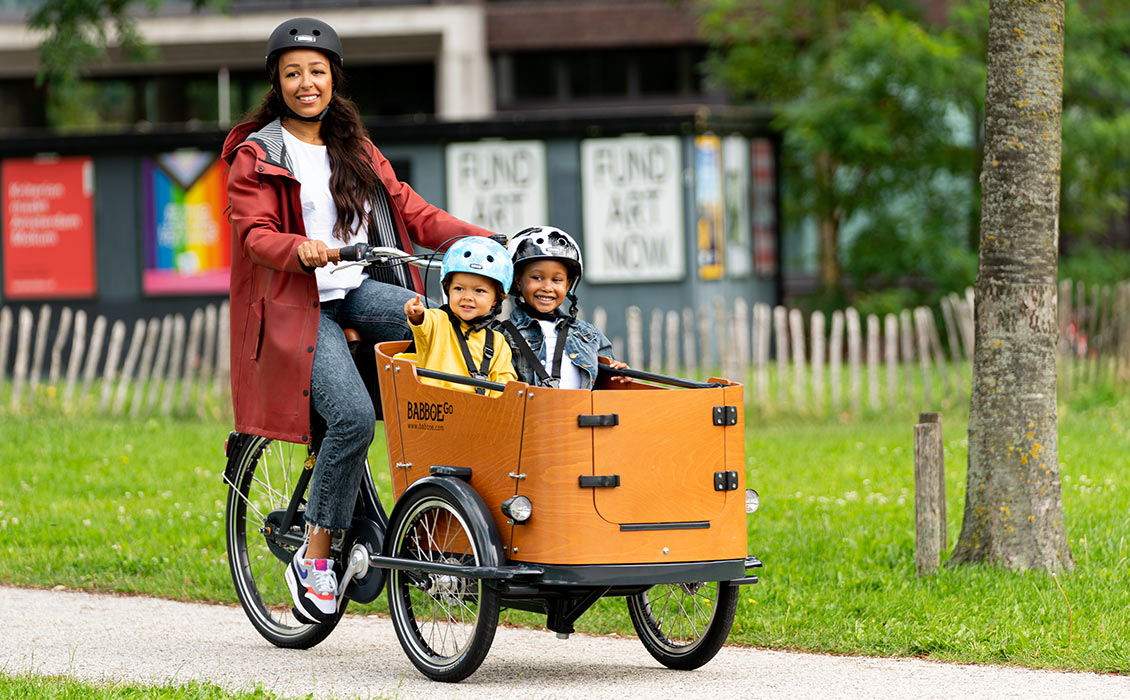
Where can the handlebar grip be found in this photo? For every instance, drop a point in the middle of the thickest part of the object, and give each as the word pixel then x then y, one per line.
pixel 353 253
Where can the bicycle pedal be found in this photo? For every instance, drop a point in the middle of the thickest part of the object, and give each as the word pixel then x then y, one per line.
pixel 300 617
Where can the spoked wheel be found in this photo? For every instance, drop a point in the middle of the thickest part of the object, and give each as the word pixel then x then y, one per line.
pixel 683 625
pixel 445 622
pixel 261 485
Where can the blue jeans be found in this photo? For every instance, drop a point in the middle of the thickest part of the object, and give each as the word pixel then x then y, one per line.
pixel 376 311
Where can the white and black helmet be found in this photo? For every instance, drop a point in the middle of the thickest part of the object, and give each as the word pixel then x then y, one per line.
pixel 303 33
pixel 545 243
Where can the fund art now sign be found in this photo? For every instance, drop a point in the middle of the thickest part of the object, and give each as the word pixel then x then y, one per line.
pixel 48 227
pixel 633 209
pixel 499 185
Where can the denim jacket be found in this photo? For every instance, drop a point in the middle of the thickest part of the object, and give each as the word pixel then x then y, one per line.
pixel 582 345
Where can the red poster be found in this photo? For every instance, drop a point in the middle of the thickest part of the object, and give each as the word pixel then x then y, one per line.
pixel 48 227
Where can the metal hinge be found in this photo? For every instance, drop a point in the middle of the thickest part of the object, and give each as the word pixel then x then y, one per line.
pixel 725 415
pixel 725 481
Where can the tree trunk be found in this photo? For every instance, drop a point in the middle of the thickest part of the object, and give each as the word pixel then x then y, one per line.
pixel 1013 509
pixel 828 223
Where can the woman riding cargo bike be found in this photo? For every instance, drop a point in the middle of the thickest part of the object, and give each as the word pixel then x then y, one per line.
pixel 531 498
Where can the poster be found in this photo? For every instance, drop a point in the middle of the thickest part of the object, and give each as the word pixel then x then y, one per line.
pixel 710 215
pixel 632 189
pixel 763 193
pixel 499 185
pixel 739 245
pixel 48 227
pixel 187 236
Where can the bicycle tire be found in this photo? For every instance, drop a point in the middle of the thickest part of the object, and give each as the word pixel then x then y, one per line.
pixel 683 625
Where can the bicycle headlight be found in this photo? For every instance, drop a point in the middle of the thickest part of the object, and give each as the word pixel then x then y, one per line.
pixel 751 500
pixel 517 508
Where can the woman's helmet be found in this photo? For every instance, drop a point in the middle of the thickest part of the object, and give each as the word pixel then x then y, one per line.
pixel 480 256
pixel 303 33
pixel 546 243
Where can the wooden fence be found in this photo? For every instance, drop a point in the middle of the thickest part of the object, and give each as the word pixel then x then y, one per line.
pixel 788 360
pixel 163 369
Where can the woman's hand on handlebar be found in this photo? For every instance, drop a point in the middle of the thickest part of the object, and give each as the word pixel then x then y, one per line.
pixel 414 310
pixel 313 253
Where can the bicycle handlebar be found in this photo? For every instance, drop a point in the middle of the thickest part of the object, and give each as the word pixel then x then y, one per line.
pixel 365 254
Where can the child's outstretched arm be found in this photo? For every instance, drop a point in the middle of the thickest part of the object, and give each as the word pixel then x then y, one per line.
pixel 414 310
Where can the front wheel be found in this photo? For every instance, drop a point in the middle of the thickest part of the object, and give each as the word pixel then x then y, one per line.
pixel 683 625
pixel 261 480
pixel 445 622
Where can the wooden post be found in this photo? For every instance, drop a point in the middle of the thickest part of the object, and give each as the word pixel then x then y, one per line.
pixel 906 346
pixel 66 316
pixel 873 361
pixel 706 350
pixel 936 349
pixel 128 367
pixel 41 331
pixel 891 356
pixel 855 357
pixel 761 326
pixel 177 355
pixel 223 354
pixel 23 356
pixel 78 349
pixel 191 360
pixel 1106 334
pixel 924 356
pixel 599 319
pixel 634 319
pixel 671 359
pixel 721 326
pixel 690 354
pixel 741 339
pixel 818 358
pixel 144 372
pixel 110 372
pixel 655 341
pixel 796 331
pixel 781 333
pixel 964 312
pixel 97 337
pixel 927 516
pixel 157 378
pixel 836 358
pixel 950 319
pixel 207 359
pixel 5 340
pixel 939 449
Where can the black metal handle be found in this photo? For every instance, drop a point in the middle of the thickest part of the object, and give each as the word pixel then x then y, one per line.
pixel 657 378
pixel 600 420
pixel 601 481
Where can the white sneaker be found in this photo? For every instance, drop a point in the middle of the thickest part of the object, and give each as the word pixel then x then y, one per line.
pixel 313 586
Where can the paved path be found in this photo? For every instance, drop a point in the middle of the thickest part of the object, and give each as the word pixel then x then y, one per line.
pixel 148 640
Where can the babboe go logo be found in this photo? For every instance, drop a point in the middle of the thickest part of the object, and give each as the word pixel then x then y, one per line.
pixel 426 410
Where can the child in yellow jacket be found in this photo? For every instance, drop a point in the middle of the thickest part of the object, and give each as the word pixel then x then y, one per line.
pixel 457 338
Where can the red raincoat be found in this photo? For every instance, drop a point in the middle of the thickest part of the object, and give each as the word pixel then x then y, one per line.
pixel 274 300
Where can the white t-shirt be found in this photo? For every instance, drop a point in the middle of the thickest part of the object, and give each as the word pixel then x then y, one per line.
pixel 570 375
pixel 312 168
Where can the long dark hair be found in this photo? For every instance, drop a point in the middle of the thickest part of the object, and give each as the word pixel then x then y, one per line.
pixel 353 182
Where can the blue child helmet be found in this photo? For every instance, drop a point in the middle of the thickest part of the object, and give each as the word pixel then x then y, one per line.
pixel 480 256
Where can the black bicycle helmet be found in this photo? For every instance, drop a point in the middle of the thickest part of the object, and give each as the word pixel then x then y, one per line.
pixel 303 33
pixel 545 243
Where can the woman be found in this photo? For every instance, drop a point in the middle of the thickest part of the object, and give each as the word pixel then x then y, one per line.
pixel 304 178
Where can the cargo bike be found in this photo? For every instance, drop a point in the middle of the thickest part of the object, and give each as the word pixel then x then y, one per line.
pixel 534 499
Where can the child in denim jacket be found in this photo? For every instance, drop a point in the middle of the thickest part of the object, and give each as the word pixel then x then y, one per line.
pixel 549 347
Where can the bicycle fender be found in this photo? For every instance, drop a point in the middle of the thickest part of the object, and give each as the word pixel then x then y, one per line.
pixel 474 509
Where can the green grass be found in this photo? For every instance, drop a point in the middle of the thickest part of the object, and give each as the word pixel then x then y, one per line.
pixel 138 507
pixel 31 687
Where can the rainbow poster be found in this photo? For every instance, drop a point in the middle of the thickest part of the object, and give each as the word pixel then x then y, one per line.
pixel 187 237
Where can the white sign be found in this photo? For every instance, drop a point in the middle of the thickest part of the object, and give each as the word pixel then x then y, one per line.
pixel 499 185
pixel 633 200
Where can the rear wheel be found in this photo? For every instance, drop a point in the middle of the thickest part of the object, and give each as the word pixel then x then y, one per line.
pixel 262 482
pixel 445 622
pixel 683 625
